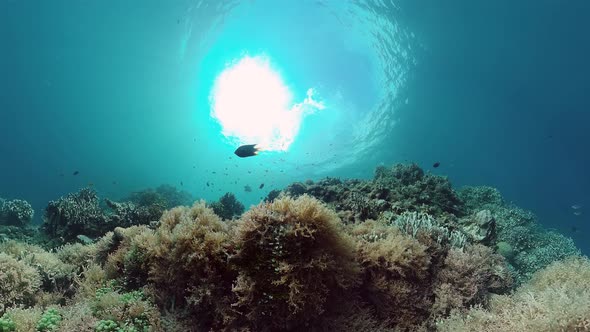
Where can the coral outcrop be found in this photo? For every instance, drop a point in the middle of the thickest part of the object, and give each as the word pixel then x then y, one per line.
pixel 74 214
pixel 400 252
pixel 228 206
pixel 16 212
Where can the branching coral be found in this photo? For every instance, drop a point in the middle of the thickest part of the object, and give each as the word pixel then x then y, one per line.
pixel 75 214
pixel 16 212
pixel 293 259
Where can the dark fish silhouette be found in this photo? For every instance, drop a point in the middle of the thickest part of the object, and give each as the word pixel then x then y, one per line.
pixel 436 164
pixel 261 186
pixel 247 189
pixel 76 173
pixel 207 183
pixel 182 184
pixel 248 150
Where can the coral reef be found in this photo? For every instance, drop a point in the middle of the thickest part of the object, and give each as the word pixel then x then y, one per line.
pixel 74 214
pixel 80 216
pixel 15 212
pixel 129 214
pixel 526 245
pixel 556 299
pixel 228 206
pixel 165 195
pixel 400 252
pixel 401 188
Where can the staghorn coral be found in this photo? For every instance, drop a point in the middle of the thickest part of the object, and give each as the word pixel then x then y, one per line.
pixel 293 260
pixel 556 299
pixel 15 212
pixel 228 206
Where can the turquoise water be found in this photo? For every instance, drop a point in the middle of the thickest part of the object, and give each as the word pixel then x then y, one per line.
pixel 120 91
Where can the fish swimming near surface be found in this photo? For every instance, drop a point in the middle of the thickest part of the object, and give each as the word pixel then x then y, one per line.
pixel 76 173
pixel 247 189
pixel 261 186
pixel 576 207
pixel 578 213
pixel 436 164
pixel 247 150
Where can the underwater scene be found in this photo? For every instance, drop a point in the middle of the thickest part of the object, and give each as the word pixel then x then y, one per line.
pixel 294 165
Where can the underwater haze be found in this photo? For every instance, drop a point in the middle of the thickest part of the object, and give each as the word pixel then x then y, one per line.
pixel 122 92
pixel 294 165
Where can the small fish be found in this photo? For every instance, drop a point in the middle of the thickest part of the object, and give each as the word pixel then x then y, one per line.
pixel 247 150
pixel 114 182
pixel 90 184
pixel 576 207
pixel 182 184
pixel 574 229
pixel 261 186
pixel 578 213
pixel 247 188
pixel 214 172
pixel 207 183
pixel 436 164
pixel 75 173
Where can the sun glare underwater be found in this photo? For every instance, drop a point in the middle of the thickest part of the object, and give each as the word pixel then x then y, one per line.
pixel 294 165
pixel 253 105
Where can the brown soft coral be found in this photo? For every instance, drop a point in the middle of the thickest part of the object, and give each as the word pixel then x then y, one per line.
pixel 293 259
pixel 396 274
pixel 467 278
pixel 18 282
pixel 187 261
